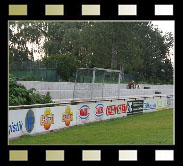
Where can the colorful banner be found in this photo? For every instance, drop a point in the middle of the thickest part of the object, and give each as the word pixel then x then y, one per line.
pixel 40 120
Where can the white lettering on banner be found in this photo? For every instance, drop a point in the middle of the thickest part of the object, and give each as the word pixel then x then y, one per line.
pixel 47 120
pixel 67 117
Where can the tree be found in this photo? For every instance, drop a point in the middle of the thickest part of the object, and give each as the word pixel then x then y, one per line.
pixel 21 36
pixel 66 65
pixel 138 47
pixel 155 51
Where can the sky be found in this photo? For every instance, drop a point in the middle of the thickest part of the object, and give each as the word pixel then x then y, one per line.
pixel 165 26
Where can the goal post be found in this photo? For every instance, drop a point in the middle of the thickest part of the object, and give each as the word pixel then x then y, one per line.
pixel 98 75
pixel 95 77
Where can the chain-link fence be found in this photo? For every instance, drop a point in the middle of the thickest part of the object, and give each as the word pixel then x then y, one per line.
pixel 47 71
pixel 85 75
pixel 34 71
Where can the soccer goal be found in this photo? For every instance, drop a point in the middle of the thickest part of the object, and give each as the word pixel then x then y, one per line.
pixel 97 83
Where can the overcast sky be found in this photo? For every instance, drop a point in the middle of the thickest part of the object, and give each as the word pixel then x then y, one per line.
pixel 165 26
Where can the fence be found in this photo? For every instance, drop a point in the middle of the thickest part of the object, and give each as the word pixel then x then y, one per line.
pixel 103 91
pixel 35 71
pixel 47 71
pixel 56 116
pixel 66 91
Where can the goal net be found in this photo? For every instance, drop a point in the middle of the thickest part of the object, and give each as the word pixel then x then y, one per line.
pixel 96 83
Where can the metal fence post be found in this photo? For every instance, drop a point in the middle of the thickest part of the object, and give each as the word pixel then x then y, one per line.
pixel 119 78
pixel 93 81
pixel 75 84
pixel 103 87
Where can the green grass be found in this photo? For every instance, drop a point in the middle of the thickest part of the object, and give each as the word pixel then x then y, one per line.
pixel 150 128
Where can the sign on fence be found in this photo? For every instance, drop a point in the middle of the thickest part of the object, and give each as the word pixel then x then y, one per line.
pixel 135 107
pixel 149 105
pixel 39 120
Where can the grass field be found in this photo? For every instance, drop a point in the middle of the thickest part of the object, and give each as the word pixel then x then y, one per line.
pixel 150 128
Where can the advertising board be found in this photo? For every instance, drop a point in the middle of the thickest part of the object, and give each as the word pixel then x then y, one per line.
pixel 99 111
pixel 84 113
pixel 135 106
pixel 170 101
pixel 39 120
pixel 21 122
pixel 116 109
pixel 67 116
pixel 161 103
pixel 29 121
pixel 149 105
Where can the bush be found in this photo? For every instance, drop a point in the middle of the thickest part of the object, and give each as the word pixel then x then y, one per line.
pixel 19 95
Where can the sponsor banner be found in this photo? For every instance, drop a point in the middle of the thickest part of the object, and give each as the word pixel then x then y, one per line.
pixel 149 105
pixel 170 101
pixel 90 112
pixel 116 109
pixel 135 107
pixel 17 123
pixel 165 103
pixel 68 116
pixel 84 113
pixel 161 103
pixel 29 121
pixel 99 111
pixel 47 119
pixel 44 119
pixel 38 120
pixel 52 118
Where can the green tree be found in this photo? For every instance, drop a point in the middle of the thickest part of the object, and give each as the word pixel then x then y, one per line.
pixel 155 52
pixel 66 64
pixel 138 47
pixel 21 35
